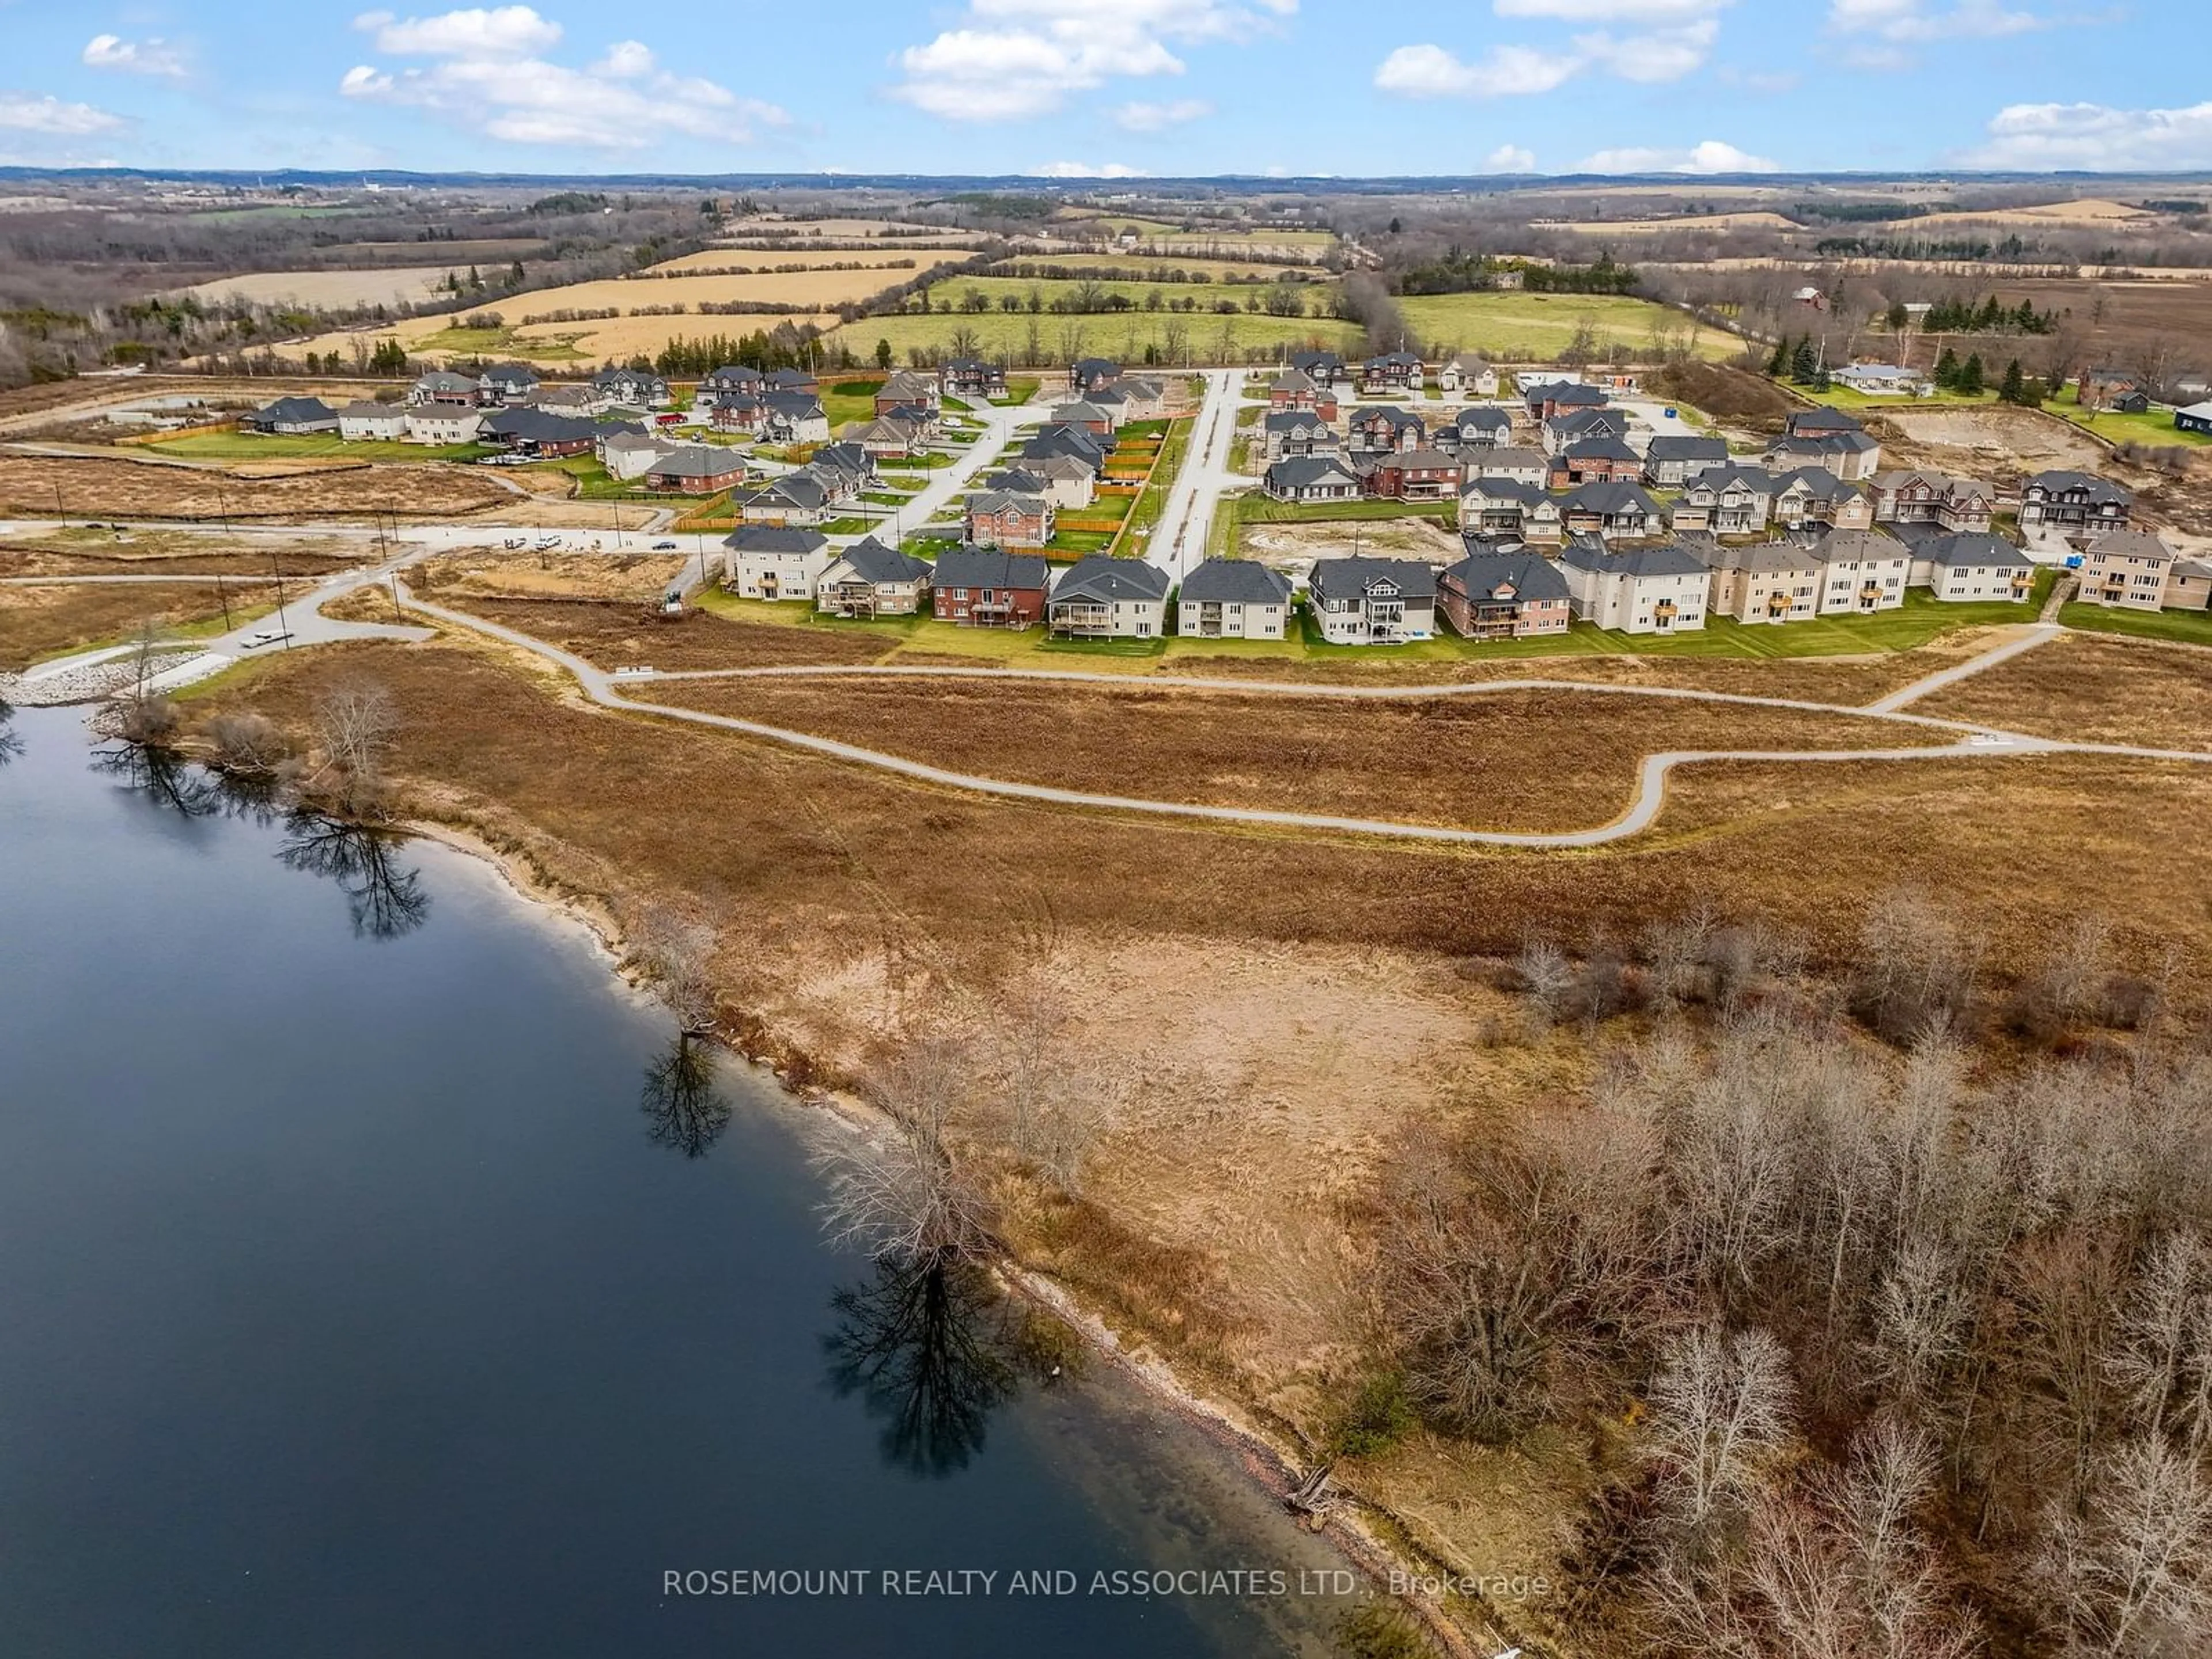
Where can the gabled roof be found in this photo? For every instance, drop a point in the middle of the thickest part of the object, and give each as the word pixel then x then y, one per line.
pixel 1388 415
pixel 1486 416
pixel 737 374
pixel 439 380
pixel 1348 578
pixel 447 413
pixel 1236 581
pixel 1299 472
pixel 1431 460
pixel 1529 576
pixel 794 405
pixel 1082 413
pixel 847 458
pixel 1857 546
pixel 2061 481
pixel 1608 496
pixel 1816 481
pixel 1671 447
pixel 290 411
pixel 990 503
pixel 873 561
pixel 368 409
pixel 1102 577
pixel 990 567
pixel 1015 481
pixel 1664 559
pixel 536 426
pixel 775 538
pixel 906 383
pixel 1974 547
pixel 509 375
pixel 1758 557
pixel 1825 418
pixel 1599 449
pixel 698 461
pixel 1587 420
pixel 1570 392
pixel 1295 420
pixel 1758 479
pixel 792 380
pixel 882 432
pixel 2131 544
pixel 1292 380
pixel 1520 460
pixel 1825 443
pixel 1495 489
pixel 795 488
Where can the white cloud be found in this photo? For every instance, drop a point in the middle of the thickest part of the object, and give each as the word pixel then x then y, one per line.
pixel 2097 139
pixel 1085 170
pixel 25 111
pixel 151 56
pixel 1012 59
pixel 1158 117
pixel 1710 156
pixel 1611 12
pixel 501 31
pixel 1429 71
pixel 1509 158
pixel 1881 32
pixel 487 79
pixel 1653 59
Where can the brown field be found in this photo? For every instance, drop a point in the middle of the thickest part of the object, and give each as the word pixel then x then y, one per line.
pixel 1992 442
pixel 483 250
pixel 1515 760
pixel 330 290
pixel 722 258
pixel 168 553
pixel 131 490
pixel 2094 688
pixel 2089 210
pixel 1731 396
pixel 1750 219
pixel 2139 317
pixel 611 636
pixel 38 623
pixel 485 573
pixel 1139 266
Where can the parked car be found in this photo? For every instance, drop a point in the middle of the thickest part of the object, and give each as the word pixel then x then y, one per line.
pixel 664 547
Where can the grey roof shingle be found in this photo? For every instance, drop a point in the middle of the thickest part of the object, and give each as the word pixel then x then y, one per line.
pixel 1102 577
pixel 988 567
pixel 1530 575
pixel 773 538
pixel 1350 578
pixel 1236 581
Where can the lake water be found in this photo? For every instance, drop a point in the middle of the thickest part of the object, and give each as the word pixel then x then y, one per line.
pixel 353 1303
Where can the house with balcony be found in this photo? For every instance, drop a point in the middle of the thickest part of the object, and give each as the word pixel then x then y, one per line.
pixel 1762 581
pixel 1234 599
pixel 987 587
pixel 2133 570
pixel 1392 375
pixel 1479 425
pixel 1103 597
pixel 1862 571
pixel 1971 565
pixel 971 379
pixel 1416 475
pixel 1913 497
pixel 2076 505
pixel 1494 594
pixel 1595 460
pixel 1611 511
pixel 774 562
pixel 1297 433
pixel 1812 495
pixel 1362 601
pixel 728 384
pixel 1672 460
pixel 1724 501
pixel 870 579
pixel 1324 368
pixel 1574 425
pixel 1091 373
pixel 1660 589
pixel 1383 431
pixel 1510 507
pixel 909 392
pixel 503 384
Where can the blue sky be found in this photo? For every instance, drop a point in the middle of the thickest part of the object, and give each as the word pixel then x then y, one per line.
pixel 1106 87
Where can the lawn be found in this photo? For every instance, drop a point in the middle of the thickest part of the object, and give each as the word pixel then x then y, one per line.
pixel 1537 327
pixel 1152 500
pixel 260 446
pixel 2154 427
pixel 1020 388
pixel 1126 335
pixel 2182 627
pixel 850 400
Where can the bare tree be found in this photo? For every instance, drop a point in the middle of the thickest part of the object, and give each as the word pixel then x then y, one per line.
pixel 1721 1407
pixel 677 952
pixel 909 1198
pixel 246 742
pixel 1546 975
pixel 2131 1573
pixel 353 727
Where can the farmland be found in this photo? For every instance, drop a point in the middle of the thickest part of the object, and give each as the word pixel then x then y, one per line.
pixel 330 290
pixel 1537 327
pixel 1202 337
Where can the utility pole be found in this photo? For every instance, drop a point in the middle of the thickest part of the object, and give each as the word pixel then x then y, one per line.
pixel 278 571
pixel 60 511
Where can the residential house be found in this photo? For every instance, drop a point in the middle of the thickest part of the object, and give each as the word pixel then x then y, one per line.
pixel 1291 432
pixel 2130 569
pixel 796 498
pixel 695 470
pixel 1523 465
pixel 971 379
pixel 1825 422
pixel 1359 601
pixel 1548 397
pixel 2195 418
pixel 1660 589
pixel 1610 510
pixel 503 384
pixel 908 391
pixel 845 469
pixel 1091 373
pixel 1325 368
pixel 1724 501
pixel 2189 586
pixel 1591 460
pixel 1394 372
pixel 1672 461
pixel 627 455
pixel 1883 380
pixel 793 381
pixel 444 424
pixel 1071 442
pixel 294 418
pixel 1479 425
pixel 1574 425
pixel 1508 508
pixel 1814 495
pixel 1015 481
pixel 1971 565
pixel 2074 503
pixel 1382 431
pixel 532 432
pixel 774 562
pixel 640 388
pixel 1467 375
pixel 1862 571
pixel 2114 389
pixel 1311 479
pixel 1085 417
pixel 1234 599
pixel 1294 389
pixel 582 401
pixel 984 587
pixel 1143 398
pixel 1067 482
pixel 1416 475
pixel 1103 597
pixel 1849 455
pixel 441 386
pixel 365 421
pixel 1910 496
pixel 1492 595
pixel 887 436
pixel 793 417
pixel 1762 581
pixel 994 519
pixel 728 384
pixel 871 579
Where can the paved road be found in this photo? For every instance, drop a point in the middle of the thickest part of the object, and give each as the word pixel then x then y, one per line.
pixel 1178 540
pixel 2039 634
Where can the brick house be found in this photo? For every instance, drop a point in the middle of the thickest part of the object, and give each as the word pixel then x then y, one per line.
pixel 995 518
pixel 985 587
pixel 1416 475
pixel 1492 595
pixel 1381 431
pixel 1548 397
pixel 695 470
pixel 1594 460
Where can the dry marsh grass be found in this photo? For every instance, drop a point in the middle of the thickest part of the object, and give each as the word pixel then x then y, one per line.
pixel 613 635
pixel 167 553
pixel 2092 689
pixel 125 488
pixel 39 622
pixel 1514 760
pixel 628 579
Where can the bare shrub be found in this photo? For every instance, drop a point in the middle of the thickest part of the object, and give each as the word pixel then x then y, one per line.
pixel 910 1198
pixel 246 742
pixel 1916 970
pixel 677 952
pixel 1547 976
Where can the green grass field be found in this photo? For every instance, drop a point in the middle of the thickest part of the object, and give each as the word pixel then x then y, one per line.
pixel 1537 327
pixel 850 400
pixel 256 446
pixel 2154 427
pixel 2178 627
pixel 502 343
pixel 1126 336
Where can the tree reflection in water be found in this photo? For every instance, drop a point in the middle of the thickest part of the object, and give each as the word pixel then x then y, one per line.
pixel 682 1108
pixel 386 901
pixel 162 775
pixel 929 1345
pixel 11 743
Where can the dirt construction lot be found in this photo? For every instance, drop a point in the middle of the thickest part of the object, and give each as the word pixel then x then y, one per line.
pixel 1990 442
pixel 132 489
pixel 82 552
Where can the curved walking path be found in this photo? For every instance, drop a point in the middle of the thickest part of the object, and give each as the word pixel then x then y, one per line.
pixel 1643 810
